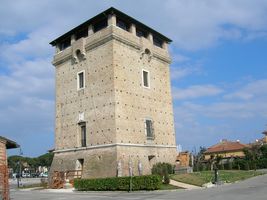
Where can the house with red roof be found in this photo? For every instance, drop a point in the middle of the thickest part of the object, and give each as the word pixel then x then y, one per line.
pixel 226 149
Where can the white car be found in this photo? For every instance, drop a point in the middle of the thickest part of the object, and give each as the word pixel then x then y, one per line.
pixel 14 175
pixel 26 175
pixel 43 174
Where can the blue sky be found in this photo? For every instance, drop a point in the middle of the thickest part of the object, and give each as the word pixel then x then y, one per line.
pixel 219 68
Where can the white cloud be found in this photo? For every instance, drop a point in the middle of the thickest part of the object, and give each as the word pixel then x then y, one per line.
pixel 188 68
pixel 195 91
pixel 232 105
pixel 255 89
pixel 192 24
pixel 200 24
pixel 235 115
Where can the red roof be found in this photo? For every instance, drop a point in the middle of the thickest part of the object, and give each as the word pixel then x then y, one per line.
pixel 226 146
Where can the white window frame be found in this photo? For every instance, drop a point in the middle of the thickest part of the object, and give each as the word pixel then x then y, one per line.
pixel 153 134
pixel 148 78
pixel 78 80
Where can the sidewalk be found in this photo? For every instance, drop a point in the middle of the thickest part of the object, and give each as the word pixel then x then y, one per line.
pixel 184 185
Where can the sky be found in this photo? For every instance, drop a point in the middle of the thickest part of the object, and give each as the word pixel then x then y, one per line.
pixel 218 70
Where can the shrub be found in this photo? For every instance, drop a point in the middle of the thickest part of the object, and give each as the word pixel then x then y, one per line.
pixel 228 165
pixel 246 167
pixel 149 182
pixel 166 179
pixel 240 164
pixel 262 163
pixel 221 167
pixel 160 168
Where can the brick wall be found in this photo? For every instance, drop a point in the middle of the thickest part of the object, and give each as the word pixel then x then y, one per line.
pixel 3 172
pixel 2 153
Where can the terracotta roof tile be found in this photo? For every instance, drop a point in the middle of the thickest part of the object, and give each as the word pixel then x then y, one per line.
pixel 226 146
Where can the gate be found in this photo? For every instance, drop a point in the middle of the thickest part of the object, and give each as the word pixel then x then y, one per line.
pixel 4 186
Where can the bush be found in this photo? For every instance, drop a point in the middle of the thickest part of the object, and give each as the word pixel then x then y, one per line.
pixel 262 163
pixel 149 182
pixel 228 165
pixel 166 179
pixel 221 167
pixel 240 164
pixel 246 167
pixel 160 168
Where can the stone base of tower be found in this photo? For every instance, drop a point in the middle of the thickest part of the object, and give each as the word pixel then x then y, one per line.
pixel 94 163
pixel 144 158
pixel 113 161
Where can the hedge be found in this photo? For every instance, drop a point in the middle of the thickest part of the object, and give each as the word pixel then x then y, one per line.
pixel 149 182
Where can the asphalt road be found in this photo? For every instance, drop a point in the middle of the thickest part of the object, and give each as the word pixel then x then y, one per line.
pixel 23 182
pixel 254 188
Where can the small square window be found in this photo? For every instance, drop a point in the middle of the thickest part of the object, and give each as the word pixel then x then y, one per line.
pixel 145 77
pixel 80 80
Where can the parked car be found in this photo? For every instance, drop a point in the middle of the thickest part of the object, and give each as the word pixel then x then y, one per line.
pixel 34 175
pixel 14 175
pixel 26 175
pixel 43 174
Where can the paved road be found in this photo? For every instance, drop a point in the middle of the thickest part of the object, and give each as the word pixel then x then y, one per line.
pixel 254 188
pixel 23 182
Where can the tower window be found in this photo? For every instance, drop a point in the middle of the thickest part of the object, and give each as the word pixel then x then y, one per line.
pixel 141 33
pixel 122 24
pixel 100 25
pixel 83 134
pixel 157 42
pixel 145 77
pixel 81 34
pixel 64 44
pixel 149 129
pixel 80 80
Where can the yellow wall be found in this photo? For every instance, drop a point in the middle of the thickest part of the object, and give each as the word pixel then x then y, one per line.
pixel 226 154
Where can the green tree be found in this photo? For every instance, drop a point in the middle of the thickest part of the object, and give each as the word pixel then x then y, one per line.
pixel 34 163
pixel 198 159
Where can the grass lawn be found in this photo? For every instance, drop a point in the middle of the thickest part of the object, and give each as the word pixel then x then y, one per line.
pixel 228 176
pixel 168 187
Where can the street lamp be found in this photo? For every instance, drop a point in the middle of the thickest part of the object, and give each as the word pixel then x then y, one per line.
pixel 19 163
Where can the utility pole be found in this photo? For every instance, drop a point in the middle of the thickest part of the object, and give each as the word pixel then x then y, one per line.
pixel 19 174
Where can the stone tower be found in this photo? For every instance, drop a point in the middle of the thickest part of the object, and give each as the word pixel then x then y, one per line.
pixel 114 111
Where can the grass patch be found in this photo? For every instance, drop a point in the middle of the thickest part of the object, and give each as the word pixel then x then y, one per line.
pixel 168 187
pixel 228 176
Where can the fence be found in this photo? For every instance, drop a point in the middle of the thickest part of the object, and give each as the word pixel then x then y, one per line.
pixel 59 178
pixel 4 186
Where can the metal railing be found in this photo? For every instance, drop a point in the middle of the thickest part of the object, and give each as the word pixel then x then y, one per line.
pixel 60 177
